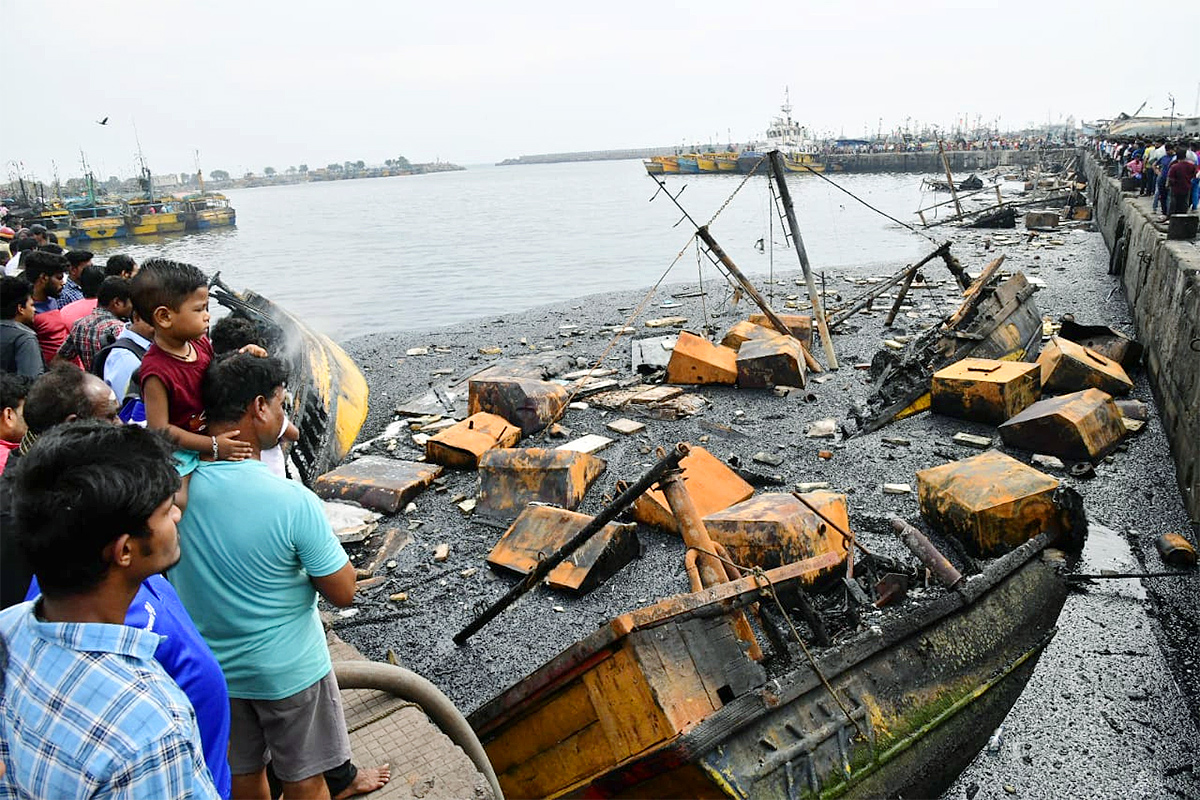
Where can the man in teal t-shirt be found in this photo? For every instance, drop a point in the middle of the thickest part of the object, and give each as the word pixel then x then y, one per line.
pixel 257 549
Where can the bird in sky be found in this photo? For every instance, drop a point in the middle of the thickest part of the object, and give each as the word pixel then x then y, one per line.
pixel 103 121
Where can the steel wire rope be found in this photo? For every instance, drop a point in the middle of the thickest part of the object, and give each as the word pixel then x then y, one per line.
pixel 868 205
pixel 641 305
pixel 760 573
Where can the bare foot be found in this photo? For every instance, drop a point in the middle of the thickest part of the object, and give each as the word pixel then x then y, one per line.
pixel 367 780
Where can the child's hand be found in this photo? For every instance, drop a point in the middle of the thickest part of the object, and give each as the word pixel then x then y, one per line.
pixel 232 449
pixel 254 350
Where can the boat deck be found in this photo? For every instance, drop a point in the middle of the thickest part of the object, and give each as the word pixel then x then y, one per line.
pixel 386 729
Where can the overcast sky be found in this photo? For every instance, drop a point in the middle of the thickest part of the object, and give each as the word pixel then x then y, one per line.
pixel 260 83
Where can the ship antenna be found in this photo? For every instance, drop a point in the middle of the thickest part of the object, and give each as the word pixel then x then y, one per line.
pixel 199 172
pixel 142 163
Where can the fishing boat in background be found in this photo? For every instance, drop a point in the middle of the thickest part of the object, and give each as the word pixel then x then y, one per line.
pixel 149 215
pixel 726 161
pixel 653 166
pixel 204 209
pixel 93 220
pixel 670 163
pixel 707 162
pixel 688 164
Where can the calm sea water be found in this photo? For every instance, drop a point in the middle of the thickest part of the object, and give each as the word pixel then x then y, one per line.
pixel 367 256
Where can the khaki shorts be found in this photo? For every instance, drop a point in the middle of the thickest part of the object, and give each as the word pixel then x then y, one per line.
pixel 301 735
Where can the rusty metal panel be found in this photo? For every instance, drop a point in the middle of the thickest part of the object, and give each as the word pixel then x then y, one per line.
pixel 384 484
pixel 1069 367
pixel 743 331
pixel 461 445
pixel 712 485
pixel 1108 342
pixel 771 530
pixel 985 389
pixel 510 479
pixel 526 403
pixel 770 361
pixel 1082 426
pixel 696 360
pixel 991 502
pixel 541 530
pixel 799 324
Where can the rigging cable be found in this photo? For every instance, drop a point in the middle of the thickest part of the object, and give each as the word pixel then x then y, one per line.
pixel 868 205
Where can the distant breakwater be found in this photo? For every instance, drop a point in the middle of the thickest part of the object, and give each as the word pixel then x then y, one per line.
pixel 963 161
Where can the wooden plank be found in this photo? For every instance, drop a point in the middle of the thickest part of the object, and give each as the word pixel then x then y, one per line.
pixel 673 677
pixel 583 755
pixel 972 296
pixel 560 717
pixel 719 657
pixel 628 712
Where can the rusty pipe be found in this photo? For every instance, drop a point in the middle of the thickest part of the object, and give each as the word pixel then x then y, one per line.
pixel 706 567
pixel 929 555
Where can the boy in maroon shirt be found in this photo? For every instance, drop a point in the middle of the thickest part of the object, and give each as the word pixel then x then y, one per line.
pixel 173 297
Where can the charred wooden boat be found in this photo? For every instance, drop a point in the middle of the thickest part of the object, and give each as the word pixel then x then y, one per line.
pixel 997 319
pixel 667 702
pixel 329 393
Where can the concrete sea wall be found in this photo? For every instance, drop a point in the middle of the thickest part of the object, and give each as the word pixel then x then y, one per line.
pixel 1162 284
pixel 961 161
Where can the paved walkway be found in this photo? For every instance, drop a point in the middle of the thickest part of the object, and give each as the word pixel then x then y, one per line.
pixel 386 729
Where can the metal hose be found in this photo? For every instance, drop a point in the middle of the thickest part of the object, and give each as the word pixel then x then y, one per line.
pixel 408 685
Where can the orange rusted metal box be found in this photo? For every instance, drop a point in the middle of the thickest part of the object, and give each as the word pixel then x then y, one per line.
pixel 510 479
pixel 984 389
pixel 1069 367
pixel 991 502
pixel 541 530
pixel 529 404
pixel 744 331
pixel 1081 426
pixel 776 360
pixel 771 530
pixel 384 484
pixel 712 485
pixel 696 360
pixel 799 324
pixel 461 445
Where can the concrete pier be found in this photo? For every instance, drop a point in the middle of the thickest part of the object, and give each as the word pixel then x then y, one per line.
pixel 1161 280
pixel 961 161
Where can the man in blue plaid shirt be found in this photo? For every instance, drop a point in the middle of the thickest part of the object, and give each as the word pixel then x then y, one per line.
pixel 88 711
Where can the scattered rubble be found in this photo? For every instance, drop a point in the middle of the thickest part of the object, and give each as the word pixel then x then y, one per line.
pixel 770 425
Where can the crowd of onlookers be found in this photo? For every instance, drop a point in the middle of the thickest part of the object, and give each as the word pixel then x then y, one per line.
pixel 159 636
pixel 846 147
pixel 1164 170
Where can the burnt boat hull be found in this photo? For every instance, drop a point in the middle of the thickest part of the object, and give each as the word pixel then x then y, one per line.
pixel 329 391
pixel 925 688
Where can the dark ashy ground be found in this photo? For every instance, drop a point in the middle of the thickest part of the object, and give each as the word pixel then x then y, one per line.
pixel 1103 716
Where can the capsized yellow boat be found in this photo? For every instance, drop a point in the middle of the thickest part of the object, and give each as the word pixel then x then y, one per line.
pixel 328 389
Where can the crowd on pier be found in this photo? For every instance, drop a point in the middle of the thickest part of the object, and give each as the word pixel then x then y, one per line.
pixel 131 665
pixel 1164 170
pixel 854 146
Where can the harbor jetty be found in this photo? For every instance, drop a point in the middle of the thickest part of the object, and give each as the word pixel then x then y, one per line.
pixel 925 161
